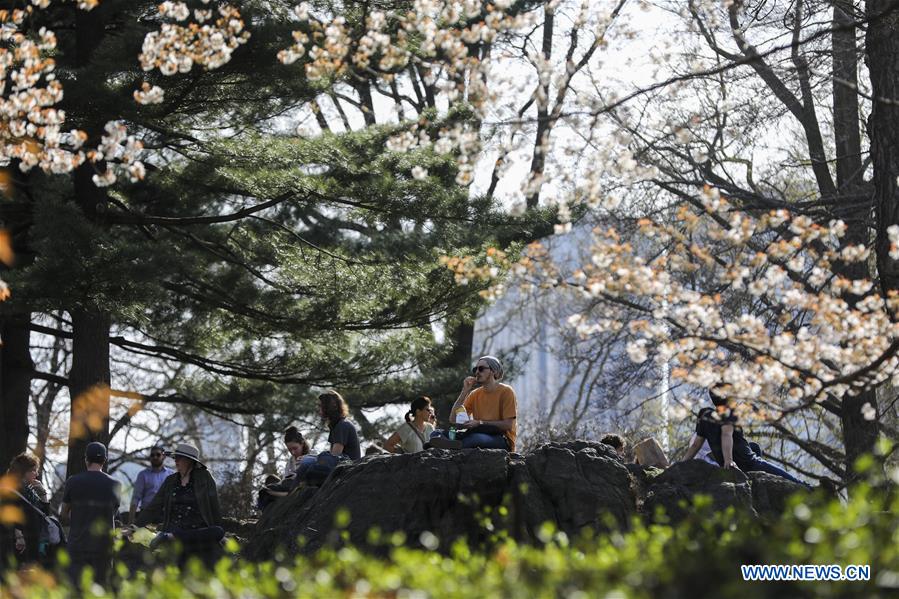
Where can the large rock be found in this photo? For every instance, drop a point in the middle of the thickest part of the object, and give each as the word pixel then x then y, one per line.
pixel 674 489
pixel 475 493
pixel 770 493
pixel 452 494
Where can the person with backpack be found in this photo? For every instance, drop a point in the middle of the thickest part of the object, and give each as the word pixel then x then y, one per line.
pixel 416 431
pixel 90 503
pixel 31 499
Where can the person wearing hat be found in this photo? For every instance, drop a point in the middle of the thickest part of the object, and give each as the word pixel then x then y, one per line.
pixel 148 481
pixel 489 411
pixel 187 508
pixel 90 502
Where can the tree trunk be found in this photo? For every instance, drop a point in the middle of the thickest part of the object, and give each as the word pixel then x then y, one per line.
pixel 859 433
pixel 89 381
pixel 846 124
pixel 882 58
pixel 16 367
pixel 541 141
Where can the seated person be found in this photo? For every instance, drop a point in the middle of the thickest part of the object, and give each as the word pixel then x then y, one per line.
pixel 413 434
pixel 343 439
pixel 718 426
pixel 298 449
pixel 491 408
pixel 187 508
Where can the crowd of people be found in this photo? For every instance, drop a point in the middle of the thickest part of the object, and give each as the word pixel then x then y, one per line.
pixel 183 503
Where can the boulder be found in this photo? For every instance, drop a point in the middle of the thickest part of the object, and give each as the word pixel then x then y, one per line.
pixel 770 493
pixel 452 495
pixel 437 496
pixel 673 490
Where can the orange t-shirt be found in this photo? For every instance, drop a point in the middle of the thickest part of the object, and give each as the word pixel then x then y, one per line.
pixel 498 405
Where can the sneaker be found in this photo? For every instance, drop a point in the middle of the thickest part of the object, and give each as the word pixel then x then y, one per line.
pixel 444 443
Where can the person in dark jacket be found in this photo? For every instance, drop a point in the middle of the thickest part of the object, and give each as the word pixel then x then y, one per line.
pixel 187 508
pixel 32 501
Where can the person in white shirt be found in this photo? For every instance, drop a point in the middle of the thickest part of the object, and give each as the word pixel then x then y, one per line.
pixel 412 435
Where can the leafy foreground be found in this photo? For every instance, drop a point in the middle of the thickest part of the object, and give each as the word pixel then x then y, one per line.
pixel 700 556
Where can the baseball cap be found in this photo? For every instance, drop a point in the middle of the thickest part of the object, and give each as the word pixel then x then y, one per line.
pixel 95 452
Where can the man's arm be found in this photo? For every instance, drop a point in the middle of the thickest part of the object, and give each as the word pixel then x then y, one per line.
pixel 467 387
pixel 727 444
pixel 65 512
pixel 337 448
pixel 694 447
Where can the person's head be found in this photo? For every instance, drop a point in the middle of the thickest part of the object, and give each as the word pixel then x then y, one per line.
pixel 487 369
pixel 420 409
pixel 295 442
pixel 95 454
pixel 615 441
pixel 332 406
pixel 187 457
pixel 157 456
pixel 24 467
pixel 717 395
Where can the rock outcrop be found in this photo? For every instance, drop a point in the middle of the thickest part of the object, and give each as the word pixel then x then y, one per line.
pixel 472 494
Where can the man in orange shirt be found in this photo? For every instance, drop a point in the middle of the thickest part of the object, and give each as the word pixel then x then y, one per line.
pixel 491 407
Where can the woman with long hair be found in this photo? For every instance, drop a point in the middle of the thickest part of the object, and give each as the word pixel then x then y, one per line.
pixel 32 503
pixel 416 431
pixel 342 437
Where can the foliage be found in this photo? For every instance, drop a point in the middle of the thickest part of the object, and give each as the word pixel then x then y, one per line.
pixel 700 556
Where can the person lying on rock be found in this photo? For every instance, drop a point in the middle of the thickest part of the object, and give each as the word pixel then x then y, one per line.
pixel 413 434
pixel 718 426
pixel 488 411
pixel 298 451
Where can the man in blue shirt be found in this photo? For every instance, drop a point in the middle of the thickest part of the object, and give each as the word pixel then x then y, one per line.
pixel 149 480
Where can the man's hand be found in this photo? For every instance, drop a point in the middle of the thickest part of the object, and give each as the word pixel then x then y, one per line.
pixel 469 383
pixel 470 424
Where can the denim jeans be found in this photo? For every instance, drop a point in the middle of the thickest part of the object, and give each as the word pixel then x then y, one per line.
pixel 760 465
pixel 484 441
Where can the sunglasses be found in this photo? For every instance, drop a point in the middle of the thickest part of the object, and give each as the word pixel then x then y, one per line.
pixel 156 455
pixel 478 369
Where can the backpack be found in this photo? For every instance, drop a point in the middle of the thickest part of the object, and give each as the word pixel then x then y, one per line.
pixel 51 530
